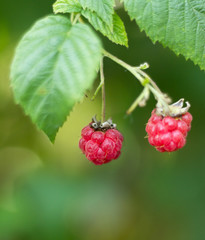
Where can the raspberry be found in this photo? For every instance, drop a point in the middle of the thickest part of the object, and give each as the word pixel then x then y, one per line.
pixel 100 145
pixel 168 134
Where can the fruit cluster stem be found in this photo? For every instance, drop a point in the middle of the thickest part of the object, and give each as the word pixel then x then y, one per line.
pixel 102 84
pixel 145 81
pixel 136 102
pixel 124 65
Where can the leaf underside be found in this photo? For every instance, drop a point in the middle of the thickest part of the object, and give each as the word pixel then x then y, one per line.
pixel 54 64
pixel 179 25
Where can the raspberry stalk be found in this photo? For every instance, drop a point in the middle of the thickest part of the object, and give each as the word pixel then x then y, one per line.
pixel 169 124
pixel 145 81
pixel 103 90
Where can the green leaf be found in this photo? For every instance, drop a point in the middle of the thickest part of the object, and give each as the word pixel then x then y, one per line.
pixel 118 35
pixel 66 6
pixel 179 25
pixel 103 8
pixel 54 64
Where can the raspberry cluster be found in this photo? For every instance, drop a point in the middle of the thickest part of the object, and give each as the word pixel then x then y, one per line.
pixel 168 134
pixel 100 146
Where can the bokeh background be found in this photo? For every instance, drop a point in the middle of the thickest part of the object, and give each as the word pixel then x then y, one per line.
pixel 52 192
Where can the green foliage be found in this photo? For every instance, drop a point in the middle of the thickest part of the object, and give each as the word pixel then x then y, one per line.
pixel 67 6
pixel 117 35
pixel 114 29
pixel 103 8
pixel 54 64
pixel 179 25
pixel 57 60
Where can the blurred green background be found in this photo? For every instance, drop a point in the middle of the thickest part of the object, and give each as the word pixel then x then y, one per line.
pixel 52 192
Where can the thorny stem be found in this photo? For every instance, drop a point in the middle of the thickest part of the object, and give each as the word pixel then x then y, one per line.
pixel 144 79
pixel 102 85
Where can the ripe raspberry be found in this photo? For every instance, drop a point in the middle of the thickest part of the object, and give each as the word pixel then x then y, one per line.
pixel 168 134
pixel 100 145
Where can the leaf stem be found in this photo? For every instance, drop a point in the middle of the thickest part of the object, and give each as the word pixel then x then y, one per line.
pixel 72 17
pixel 102 85
pixel 76 19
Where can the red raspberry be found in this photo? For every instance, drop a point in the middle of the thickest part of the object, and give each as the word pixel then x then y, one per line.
pixel 168 134
pixel 100 146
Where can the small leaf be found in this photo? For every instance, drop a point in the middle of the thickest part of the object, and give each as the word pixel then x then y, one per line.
pixel 54 64
pixel 103 8
pixel 118 35
pixel 179 25
pixel 67 6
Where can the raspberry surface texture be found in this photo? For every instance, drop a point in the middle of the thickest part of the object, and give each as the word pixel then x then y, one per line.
pixel 168 134
pixel 100 146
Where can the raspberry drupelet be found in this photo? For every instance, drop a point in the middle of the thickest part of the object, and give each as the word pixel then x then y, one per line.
pixel 100 144
pixel 166 133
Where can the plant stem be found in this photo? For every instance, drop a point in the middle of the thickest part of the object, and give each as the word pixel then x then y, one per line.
pixel 142 77
pixel 97 91
pixel 76 19
pixel 160 98
pixel 102 85
pixel 136 102
pixel 72 17
pixel 150 80
pixel 125 65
